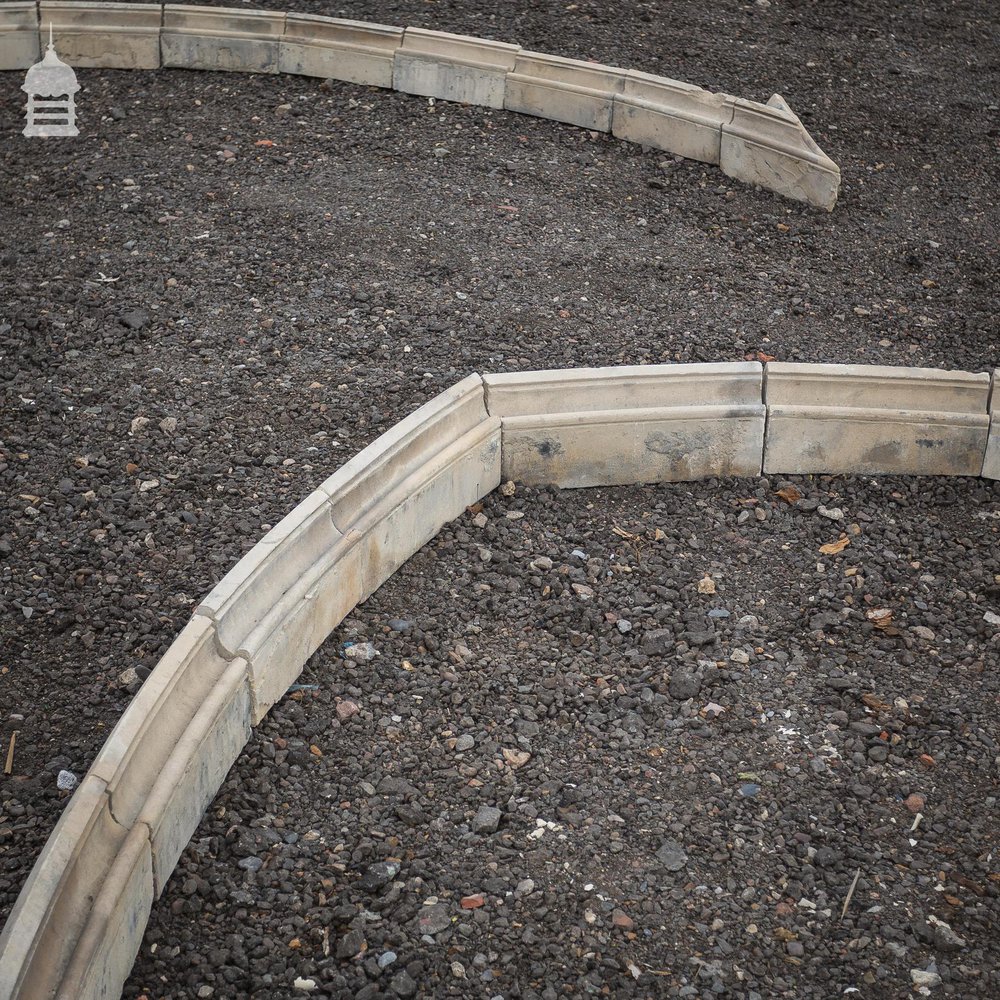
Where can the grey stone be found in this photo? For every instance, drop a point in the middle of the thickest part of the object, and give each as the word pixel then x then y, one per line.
pixel 453 67
pixel 487 819
pixel 670 115
pixel 434 919
pixel 672 856
pixel 766 144
pixel 684 683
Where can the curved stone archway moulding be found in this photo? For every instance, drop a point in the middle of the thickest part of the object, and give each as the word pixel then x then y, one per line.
pixel 78 923
pixel 762 144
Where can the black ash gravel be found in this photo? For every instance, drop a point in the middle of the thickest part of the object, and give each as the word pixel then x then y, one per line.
pixel 559 766
pixel 197 326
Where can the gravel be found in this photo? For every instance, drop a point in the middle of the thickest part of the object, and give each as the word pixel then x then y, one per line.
pixel 229 284
pixel 817 817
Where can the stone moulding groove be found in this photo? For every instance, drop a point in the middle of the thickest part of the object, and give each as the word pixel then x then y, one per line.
pixel 762 144
pixel 78 922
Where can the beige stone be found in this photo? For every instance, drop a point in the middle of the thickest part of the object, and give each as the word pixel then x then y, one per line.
pixel 615 447
pixel 133 755
pixel 622 387
pixel 411 514
pixel 766 144
pixel 243 603
pixel 629 424
pixel 991 462
pixel 221 38
pixel 301 620
pixel 337 49
pixel 54 904
pixel 871 419
pixel 195 768
pixel 106 35
pixel 855 441
pixel 404 449
pixel 876 387
pixel 563 90
pixel 389 527
pixel 453 67
pixel 113 932
pixel 670 115
pixel 18 35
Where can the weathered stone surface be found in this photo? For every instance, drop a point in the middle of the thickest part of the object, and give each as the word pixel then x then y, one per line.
pixel 52 909
pixel 453 67
pixel 670 115
pixel 221 38
pixel 301 620
pixel 195 769
pixel 109 35
pixel 634 446
pixel 19 47
pixel 461 473
pixel 623 387
pixel 871 419
pixel 404 449
pixel 388 500
pixel 766 144
pixel 649 423
pixel 242 604
pixel 389 528
pixel 134 754
pixel 564 90
pixel 991 462
pixel 113 932
pixel 337 49
pixel 883 387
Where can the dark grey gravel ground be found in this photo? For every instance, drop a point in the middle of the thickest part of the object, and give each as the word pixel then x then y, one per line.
pixel 650 790
pixel 286 303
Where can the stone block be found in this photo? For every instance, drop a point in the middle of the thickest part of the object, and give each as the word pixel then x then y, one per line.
pixel 104 35
pixel 876 387
pixel 19 47
pixel 242 604
pixel 409 516
pixel 403 515
pixel 670 115
pixel 335 49
pixel 861 419
pixel 301 620
pixel 55 903
pixel 563 90
pixel 991 463
pixel 113 933
pixel 195 769
pixel 221 38
pixel 453 67
pixel 618 447
pixel 766 144
pixel 134 754
pixel 629 424
pixel 404 449
pixel 623 387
